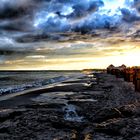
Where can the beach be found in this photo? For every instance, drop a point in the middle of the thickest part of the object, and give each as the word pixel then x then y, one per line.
pixel 95 106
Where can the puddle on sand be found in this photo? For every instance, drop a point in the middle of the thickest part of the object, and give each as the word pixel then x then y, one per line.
pixel 85 100
pixel 71 114
pixel 5 110
pixel 53 97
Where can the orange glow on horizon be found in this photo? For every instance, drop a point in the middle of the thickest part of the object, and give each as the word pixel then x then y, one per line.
pixel 128 55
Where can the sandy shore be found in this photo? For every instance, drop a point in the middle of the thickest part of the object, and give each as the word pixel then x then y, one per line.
pixel 109 109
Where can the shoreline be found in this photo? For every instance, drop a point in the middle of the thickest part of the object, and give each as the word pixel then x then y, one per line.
pixel 36 89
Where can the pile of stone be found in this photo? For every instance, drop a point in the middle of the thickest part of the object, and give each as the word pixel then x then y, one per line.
pixel 130 74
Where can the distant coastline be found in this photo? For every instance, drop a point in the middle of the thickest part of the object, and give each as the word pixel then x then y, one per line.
pixel 51 70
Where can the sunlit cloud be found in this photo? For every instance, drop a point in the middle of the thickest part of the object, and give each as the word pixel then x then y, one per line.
pixel 72 34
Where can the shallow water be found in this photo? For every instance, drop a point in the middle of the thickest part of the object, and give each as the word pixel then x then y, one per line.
pixel 53 97
pixel 16 81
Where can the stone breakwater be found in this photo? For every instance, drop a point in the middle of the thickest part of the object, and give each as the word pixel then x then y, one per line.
pixel 130 74
pixel 89 108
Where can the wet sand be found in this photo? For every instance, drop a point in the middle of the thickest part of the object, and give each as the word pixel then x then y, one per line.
pixel 108 109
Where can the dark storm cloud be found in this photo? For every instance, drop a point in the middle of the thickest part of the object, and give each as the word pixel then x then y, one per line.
pixel 16 14
pixel 61 16
pixel 129 16
pixel 19 24
pixel 32 38
pixel 82 9
pixel 137 5
pixel 15 8
pixel 27 25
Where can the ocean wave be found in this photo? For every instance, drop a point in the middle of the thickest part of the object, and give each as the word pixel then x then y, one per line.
pixel 36 84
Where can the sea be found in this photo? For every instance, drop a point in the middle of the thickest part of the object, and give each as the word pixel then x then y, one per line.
pixel 17 81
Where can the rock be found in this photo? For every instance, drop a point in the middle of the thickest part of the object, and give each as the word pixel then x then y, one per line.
pixel 108 88
pixel 135 138
pixel 114 116
pixel 61 124
pixel 130 110
pixel 132 127
pixel 111 127
pixel 106 114
pixel 101 136
pixel 88 133
pixel 9 114
pixel 87 130
pixel 74 135
pixel 123 127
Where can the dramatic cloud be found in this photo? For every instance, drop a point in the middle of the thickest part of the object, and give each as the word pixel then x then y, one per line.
pixel 40 32
pixel 61 16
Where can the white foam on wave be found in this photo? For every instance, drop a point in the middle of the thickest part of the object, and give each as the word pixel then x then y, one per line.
pixel 19 88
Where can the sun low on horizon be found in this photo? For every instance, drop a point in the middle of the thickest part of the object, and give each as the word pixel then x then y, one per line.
pixel 69 35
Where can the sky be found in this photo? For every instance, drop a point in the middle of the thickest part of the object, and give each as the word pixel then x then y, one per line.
pixel 68 34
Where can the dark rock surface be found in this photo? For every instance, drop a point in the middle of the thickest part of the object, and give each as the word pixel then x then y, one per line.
pixel 110 110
